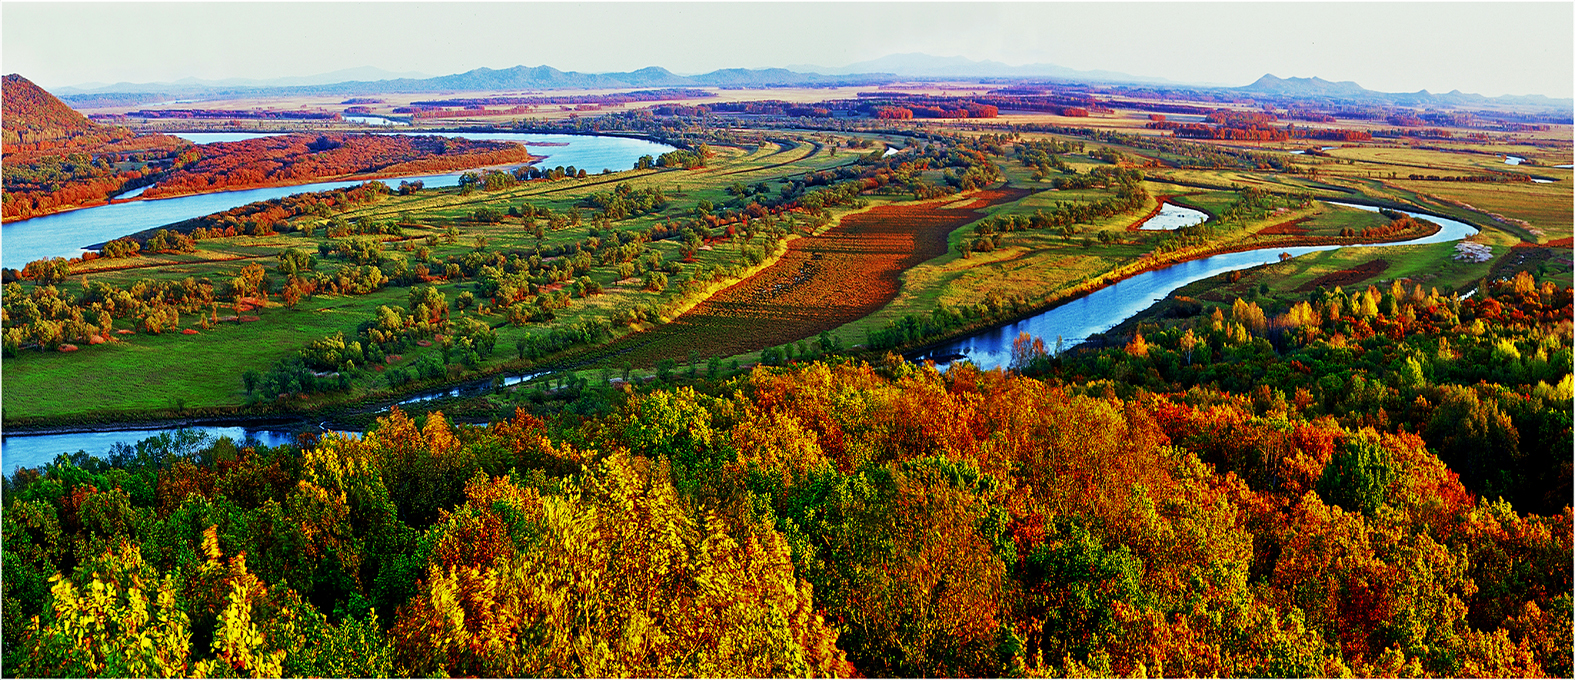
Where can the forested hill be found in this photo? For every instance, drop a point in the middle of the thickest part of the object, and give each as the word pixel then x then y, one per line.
pixel 57 159
pixel 31 114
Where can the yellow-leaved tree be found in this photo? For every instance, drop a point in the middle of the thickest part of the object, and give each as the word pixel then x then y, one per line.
pixel 612 578
pixel 124 622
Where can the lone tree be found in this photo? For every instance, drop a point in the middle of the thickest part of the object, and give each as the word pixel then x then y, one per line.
pixel 47 272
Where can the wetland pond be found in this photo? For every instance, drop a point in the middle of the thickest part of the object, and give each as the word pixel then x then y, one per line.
pixel 374 120
pixel 1172 217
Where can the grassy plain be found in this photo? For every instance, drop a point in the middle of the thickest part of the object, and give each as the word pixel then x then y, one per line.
pixel 1546 207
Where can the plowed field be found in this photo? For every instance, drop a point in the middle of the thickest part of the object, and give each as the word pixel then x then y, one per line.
pixel 822 282
pixel 1347 277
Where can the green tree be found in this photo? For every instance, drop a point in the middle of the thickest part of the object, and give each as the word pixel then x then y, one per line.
pixel 1358 475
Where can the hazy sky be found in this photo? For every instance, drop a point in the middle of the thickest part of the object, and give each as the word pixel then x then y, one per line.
pixel 1488 48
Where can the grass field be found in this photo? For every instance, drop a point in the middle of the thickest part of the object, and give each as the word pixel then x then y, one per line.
pixel 1546 207
pixel 1333 218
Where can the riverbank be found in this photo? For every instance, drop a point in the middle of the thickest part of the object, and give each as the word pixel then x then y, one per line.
pixel 1147 265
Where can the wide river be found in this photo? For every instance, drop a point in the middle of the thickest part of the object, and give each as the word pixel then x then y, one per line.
pixel 1107 307
pixel 67 234
pixel 1073 322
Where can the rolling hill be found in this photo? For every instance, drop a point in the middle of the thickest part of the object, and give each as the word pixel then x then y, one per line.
pixel 32 115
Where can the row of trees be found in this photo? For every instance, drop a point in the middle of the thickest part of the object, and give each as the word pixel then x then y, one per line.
pixel 296 158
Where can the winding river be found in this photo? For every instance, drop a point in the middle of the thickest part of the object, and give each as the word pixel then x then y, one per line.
pixel 64 234
pixel 1072 322
pixel 67 234
pixel 1107 307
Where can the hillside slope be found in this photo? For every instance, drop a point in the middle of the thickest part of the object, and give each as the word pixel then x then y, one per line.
pixel 32 116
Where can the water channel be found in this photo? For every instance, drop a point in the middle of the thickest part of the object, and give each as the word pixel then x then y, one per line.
pixel 41 449
pixel 1107 307
pixel 68 234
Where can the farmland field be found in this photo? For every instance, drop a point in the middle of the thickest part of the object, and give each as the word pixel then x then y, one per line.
pixel 821 283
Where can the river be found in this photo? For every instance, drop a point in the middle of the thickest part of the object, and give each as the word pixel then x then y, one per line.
pixel 33 450
pixel 41 449
pixel 67 234
pixel 1107 307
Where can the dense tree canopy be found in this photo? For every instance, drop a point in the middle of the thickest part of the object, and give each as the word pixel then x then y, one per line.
pixel 824 519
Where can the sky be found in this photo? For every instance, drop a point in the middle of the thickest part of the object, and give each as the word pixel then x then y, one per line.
pixel 1489 48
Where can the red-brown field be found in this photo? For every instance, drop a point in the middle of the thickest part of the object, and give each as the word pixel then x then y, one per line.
pixel 1291 228
pixel 822 282
pixel 1346 277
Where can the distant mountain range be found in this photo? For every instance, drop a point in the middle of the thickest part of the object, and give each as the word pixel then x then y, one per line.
pixel 1304 87
pixel 919 65
pixel 1345 90
pixel 889 69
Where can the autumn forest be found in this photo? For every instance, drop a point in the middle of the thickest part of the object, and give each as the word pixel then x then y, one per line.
pixel 762 373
